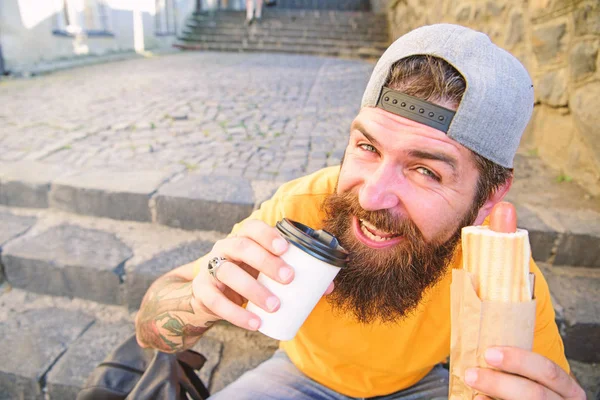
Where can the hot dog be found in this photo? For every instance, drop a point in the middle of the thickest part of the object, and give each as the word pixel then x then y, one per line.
pixel 498 257
pixel 491 296
pixel 503 218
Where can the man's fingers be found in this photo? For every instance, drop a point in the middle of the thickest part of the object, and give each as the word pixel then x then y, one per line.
pixel 241 282
pixel 482 397
pixel 218 304
pixel 241 249
pixel 265 235
pixel 505 386
pixel 535 367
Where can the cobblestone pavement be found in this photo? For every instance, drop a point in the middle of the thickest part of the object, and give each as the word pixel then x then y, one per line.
pixel 258 116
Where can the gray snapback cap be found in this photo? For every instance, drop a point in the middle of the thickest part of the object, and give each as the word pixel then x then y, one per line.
pixel 498 100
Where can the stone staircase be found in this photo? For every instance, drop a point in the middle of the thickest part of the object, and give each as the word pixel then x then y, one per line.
pixel 74 284
pixel 78 255
pixel 350 34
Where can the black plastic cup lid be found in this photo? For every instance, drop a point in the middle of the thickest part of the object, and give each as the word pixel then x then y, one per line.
pixel 319 244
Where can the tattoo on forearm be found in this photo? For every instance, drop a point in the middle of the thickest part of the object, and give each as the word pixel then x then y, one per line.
pixel 161 320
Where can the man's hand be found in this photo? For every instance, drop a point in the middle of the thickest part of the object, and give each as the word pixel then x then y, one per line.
pixel 256 248
pixel 179 307
pixel 522 374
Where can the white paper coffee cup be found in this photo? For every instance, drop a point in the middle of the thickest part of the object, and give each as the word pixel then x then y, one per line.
pixel 316 258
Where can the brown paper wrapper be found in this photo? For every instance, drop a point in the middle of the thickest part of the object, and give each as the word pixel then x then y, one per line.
pixel 477 325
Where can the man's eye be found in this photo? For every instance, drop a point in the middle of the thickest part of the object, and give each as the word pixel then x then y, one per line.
pixel 426 172
pixel 368 147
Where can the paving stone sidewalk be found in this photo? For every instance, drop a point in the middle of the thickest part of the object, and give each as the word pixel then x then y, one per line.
pixel 258 116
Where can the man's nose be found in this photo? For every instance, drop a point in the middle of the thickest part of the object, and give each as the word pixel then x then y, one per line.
pixel 377 192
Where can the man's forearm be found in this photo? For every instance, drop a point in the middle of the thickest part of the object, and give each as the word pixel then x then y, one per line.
pixel 163 321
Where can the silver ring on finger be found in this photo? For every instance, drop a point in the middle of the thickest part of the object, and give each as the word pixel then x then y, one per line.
pixel 213 266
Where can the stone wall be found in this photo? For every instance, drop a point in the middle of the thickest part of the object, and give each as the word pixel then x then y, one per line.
pixel 558 42
pixel 342 5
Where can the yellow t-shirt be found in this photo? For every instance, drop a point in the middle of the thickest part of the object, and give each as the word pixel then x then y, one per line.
pixel 360 360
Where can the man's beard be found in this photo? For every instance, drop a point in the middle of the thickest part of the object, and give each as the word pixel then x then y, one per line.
pixel 386 284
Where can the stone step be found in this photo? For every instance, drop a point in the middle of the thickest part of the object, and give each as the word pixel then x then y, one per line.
pixel 281 41
pixel 366 53
pixel 305 35
pixel 40 333
pixel 51 344
pixel 314 49
pixel 13 226
pixel 182 200
pixel 300 28
pixel 331 33
pixel 107 261
pixel 364 5
pixel 315 17
pixel 241 351
pixel 588 376
pixel 560 236
pixel 293 28
pixel 575 293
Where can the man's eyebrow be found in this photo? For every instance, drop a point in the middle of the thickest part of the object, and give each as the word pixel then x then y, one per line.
pixel 357 126
pixel 451 161
pixel 427 155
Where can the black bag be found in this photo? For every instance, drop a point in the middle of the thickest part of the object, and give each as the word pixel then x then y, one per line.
pixel 131 372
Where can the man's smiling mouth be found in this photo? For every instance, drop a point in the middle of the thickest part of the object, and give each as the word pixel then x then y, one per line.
pixel 373 233
pixel 368 234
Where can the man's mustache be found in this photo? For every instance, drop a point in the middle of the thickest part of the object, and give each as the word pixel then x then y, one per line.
pixel 382 219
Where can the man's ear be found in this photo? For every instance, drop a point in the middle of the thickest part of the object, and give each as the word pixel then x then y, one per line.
pixel 494 198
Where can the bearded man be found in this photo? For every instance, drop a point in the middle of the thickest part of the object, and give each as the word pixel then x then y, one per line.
pixel 430 151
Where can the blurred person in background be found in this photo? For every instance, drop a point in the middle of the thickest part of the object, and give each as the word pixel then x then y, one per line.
pixel 253 11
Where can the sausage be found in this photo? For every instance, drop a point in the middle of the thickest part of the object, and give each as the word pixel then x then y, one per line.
pixel 503 218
